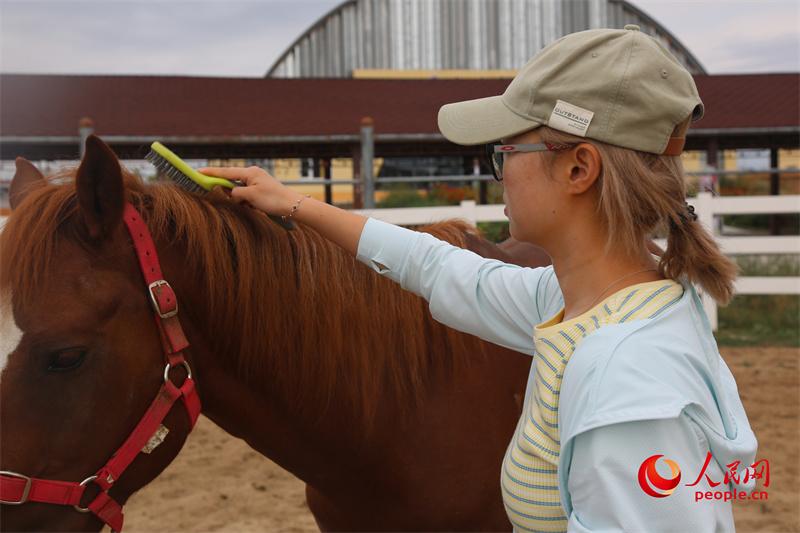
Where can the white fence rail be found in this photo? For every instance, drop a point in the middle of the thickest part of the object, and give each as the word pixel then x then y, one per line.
pixel 706 206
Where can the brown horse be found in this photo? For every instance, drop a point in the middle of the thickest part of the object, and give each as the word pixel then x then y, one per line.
pixel 393 421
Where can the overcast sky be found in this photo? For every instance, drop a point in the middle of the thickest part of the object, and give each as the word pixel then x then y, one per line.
pixel 244 37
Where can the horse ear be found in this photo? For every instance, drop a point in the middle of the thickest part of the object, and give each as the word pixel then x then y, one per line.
pixel 101 193
pixel 26 178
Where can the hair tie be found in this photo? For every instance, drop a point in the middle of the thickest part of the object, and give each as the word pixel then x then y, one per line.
pixel 690 212
pixel 687 215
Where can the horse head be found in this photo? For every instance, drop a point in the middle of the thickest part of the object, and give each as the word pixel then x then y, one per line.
pixel 82 359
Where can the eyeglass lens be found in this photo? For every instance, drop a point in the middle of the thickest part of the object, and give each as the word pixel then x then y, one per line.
pixel 496 160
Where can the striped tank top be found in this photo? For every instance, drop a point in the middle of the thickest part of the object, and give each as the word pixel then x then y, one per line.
pixel 528 478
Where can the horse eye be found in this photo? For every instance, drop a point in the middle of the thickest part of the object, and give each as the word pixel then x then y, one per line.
pixel 66 360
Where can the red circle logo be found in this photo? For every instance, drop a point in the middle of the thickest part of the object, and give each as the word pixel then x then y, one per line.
pixel 653 483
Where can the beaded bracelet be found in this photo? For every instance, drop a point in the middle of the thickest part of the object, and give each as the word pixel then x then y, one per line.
pixel 295 207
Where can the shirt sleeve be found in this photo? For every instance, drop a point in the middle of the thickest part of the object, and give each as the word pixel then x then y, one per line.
pixel 488 298
pixel 605 490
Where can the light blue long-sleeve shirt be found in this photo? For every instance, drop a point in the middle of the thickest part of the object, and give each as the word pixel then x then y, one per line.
pixel 630 391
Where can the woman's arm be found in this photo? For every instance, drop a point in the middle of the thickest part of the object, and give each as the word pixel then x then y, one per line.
pixel 490 299
pixel 495 301
pixel 604 487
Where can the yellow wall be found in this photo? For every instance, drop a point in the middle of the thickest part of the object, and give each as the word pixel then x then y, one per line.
pixel 789 158
pixel 693 161
pixel 786 159
pixel 727 160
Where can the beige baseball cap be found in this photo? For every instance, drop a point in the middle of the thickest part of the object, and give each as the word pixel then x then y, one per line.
pixel 621 87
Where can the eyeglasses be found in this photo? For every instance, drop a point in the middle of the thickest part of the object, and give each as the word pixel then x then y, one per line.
pixel 495 151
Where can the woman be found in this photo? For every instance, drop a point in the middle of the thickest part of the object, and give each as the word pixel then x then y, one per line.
pixel 625 366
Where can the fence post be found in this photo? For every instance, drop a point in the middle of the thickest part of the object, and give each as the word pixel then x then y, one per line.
pixel 327 173
pixel 704 207
pixel 85 128
pixel 367 155
pixel 774 188
pixel 469 212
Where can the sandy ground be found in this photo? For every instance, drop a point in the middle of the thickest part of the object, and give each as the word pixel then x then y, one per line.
pixel 218 483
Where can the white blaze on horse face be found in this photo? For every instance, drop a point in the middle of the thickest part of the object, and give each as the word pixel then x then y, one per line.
pixel 10 335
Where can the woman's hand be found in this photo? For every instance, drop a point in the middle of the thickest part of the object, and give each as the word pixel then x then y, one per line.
pixel 260 190
pixel 267 194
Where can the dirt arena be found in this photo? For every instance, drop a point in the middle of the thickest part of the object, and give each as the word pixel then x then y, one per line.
pixel 218 483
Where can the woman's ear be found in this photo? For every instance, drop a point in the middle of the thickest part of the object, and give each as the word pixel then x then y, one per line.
pixel 585 165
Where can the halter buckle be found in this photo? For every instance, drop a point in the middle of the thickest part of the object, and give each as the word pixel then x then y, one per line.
pixel 159 286
pixel 25 491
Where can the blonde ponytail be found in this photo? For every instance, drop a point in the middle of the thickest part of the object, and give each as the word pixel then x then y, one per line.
pixel 693 252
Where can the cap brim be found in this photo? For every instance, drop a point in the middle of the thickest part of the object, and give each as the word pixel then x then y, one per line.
pixel 481 121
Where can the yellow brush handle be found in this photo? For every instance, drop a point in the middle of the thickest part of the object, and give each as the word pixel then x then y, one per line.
pixel 206 182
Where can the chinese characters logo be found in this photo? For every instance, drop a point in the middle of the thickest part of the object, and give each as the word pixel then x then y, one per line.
pixel 658 486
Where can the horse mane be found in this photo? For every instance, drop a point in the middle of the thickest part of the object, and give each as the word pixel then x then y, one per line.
pixel 287 309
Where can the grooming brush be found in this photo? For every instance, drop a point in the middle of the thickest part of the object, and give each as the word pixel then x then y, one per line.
pixel 187 178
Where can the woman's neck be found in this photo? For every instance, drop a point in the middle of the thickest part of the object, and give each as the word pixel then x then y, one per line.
pixel 588 275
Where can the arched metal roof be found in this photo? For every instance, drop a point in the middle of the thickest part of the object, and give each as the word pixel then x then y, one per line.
pixel 453 34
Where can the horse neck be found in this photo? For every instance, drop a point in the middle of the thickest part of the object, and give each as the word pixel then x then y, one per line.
pixel 298 362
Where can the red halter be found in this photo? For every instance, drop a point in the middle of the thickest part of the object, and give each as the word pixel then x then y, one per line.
pixel 16 489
